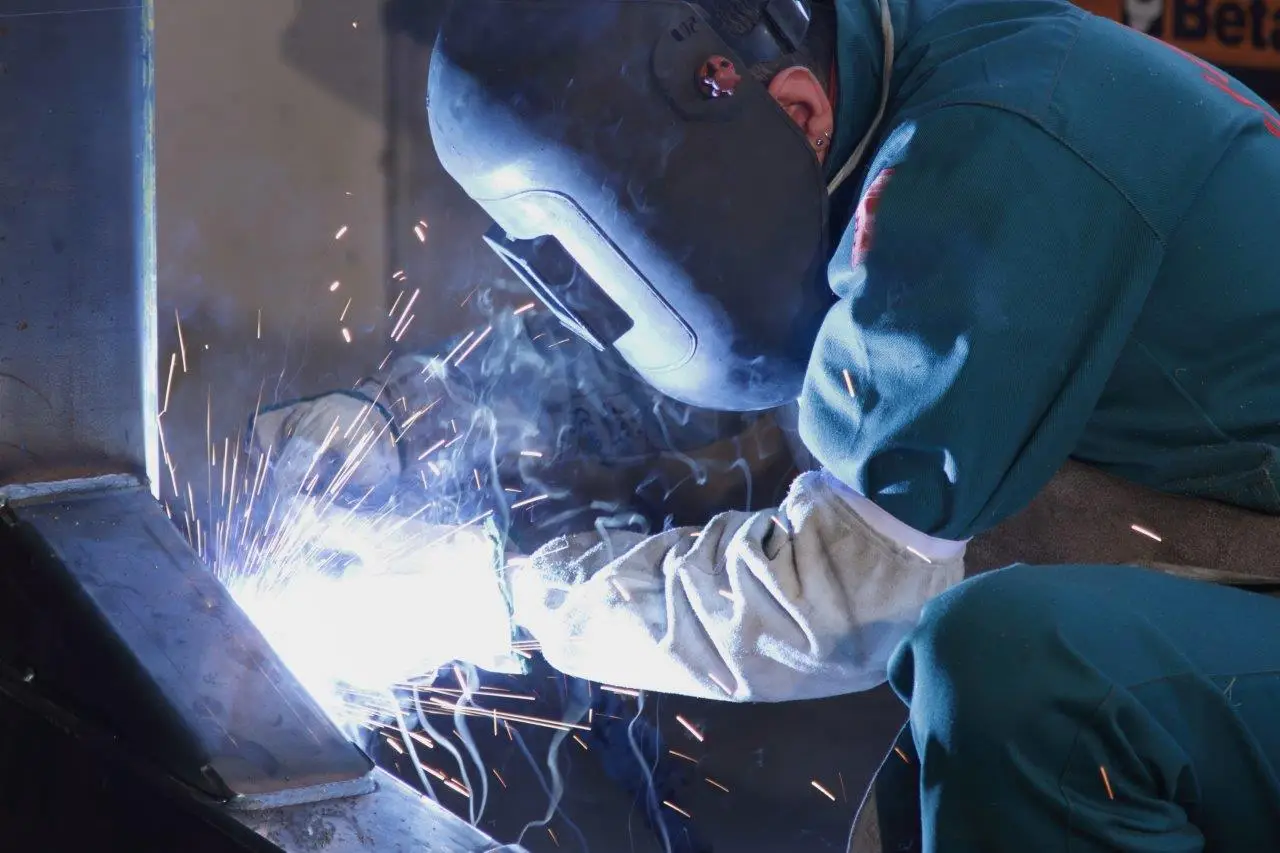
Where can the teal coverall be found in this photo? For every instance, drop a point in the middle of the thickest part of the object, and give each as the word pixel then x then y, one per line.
pixel 1091 709
pixel 1064 245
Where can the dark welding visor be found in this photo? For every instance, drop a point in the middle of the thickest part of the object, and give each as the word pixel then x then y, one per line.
pixel 644 185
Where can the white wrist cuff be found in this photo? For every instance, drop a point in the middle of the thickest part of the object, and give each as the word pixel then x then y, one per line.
pixel 929 548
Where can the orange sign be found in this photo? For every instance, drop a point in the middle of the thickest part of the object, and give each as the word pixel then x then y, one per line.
pixel 1232 33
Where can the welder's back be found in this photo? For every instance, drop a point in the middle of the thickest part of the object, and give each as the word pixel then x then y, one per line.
pixel 1198 155
pixel 1076 231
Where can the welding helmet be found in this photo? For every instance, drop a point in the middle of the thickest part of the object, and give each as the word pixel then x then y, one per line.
pixel 643 184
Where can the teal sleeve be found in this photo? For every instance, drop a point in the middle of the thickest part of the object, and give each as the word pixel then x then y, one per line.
pixel 987 284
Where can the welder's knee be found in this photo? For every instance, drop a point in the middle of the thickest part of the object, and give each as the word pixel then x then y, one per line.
pixel 986 661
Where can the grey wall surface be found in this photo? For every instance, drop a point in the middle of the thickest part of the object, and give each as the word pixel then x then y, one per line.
pixel 278 123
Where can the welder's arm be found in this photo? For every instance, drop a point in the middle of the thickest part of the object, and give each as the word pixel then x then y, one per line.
pixel 805 601
pixel 990 285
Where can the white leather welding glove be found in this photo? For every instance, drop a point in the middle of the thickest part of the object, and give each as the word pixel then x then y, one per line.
pixel 804 601
pixel 342 445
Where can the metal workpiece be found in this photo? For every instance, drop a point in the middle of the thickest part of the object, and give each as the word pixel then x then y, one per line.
pixel 107 612
pixel 393 819
pixel 78 382
pixel 154 644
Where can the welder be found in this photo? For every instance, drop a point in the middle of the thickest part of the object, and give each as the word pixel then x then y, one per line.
pixel 974 239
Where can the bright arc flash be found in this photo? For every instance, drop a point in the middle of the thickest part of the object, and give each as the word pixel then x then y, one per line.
pixel 358 602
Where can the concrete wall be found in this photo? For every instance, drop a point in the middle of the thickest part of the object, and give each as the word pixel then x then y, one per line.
pixel 278 123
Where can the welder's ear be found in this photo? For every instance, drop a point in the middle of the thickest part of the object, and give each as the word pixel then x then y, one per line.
pixel 799 92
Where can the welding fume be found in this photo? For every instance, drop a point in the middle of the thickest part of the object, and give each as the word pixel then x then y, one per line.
pixel 964 243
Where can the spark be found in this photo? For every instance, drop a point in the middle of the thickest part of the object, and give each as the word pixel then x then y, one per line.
pixel 529 501
pixel 848 383
pixel 724 593
pixel 844 795
pixel 532 454
pixel 474 344
pixel 168 386
pixel 498 776
pixel 683 757
pixel 405 315
pixel 413 419
pixel 1106 781
pixel 781 526
pixel 259 324
pixel 458 786
pixel 506 715
pixel 822 790
pixel 395 744
pixel 355 24
pixel 467 298
pixel 528 306
pixel 341 233
pixel 335 286
pixel 168 460
pixel 490 692
pixel 716 784
pixel 345 309
pixel 182 345
pixel 720 684
pixel 559 342
pixel 395 304
pixel 423 739
pixel 552 833
pixel 476 472
pixel 460 345
pixel 676 808
pixel 918 554
pixel 621 691
pixel 622 590
pixel 432 449
pixel 421 232
pixel 346 334
pixel 512 491
pixel 1137 528
pixel 697 735
pixel 385 359
pixel 405 327
pixel 582 743
pixel 434 772
pixel 398 275
pixel 902 754
pixel 423 223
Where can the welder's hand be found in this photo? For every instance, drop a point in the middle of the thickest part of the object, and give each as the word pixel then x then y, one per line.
pixel 803 601
pixel 340 445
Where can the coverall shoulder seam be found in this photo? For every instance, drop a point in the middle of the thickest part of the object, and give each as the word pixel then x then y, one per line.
pixel 1067 146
